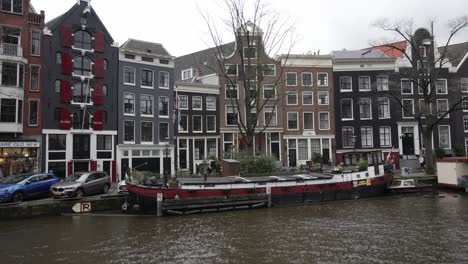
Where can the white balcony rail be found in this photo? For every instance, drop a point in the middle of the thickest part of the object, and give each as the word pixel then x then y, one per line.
pixel 11 50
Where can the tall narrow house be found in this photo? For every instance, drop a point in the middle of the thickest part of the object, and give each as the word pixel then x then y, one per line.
pixel 21 54
pixel 80 93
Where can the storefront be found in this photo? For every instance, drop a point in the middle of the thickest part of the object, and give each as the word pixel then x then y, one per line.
pixel 18 157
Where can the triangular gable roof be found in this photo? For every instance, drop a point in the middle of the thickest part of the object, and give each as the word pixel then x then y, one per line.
pixel 455 52
pixel 392 52
pixel 147 47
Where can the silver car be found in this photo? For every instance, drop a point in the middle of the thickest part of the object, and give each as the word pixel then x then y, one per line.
pixel 81 184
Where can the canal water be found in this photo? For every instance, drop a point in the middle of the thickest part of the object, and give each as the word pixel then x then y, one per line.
pixel 403 229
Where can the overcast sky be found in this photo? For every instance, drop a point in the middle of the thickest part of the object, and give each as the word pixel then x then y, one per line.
pixel 319 24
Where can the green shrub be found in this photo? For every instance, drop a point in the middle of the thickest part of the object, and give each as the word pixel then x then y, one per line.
pixel 440 153
pixel 255 164
pixel 458 150
pixel 362 165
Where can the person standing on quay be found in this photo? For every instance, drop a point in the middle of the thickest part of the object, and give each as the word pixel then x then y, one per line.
pixel 421 162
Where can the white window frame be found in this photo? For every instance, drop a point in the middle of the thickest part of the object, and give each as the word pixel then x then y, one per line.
pixel 465 123
pixel 377 83
pixel 186 74
pixel 318 79
pixel 401 86
pixel 178 101
pixel 352 109
pixel 430 107
pixel 226 69
pixel 211 131
pixel 464 85
pixel 265 119
pixel 141 81
pixel 274 70
pixel 134 136
pixel 318 97
pixel 446 86
pixel 371 136
pixel 359 84
pixel 201 103
pixel 134 105
pixel 152 101
pixel 389 135
pixel 297 121
pixel 186 124
pixel 342 136
pixel 307 92
pixel 449 136
pixel 226 112
pixel 328 114
pixel 134 76
pixel 40 40
pixel 403 110
pixel 351 82
pixel 168 107
pixel 38 78
pixel 295 84
pixel 311 79
pixel 201 124
pixel 287 100
pixel 370 109
pixel 206 103
pixel 226 90
pixel 141 132
pixel 448 107
pixel 304 119
pixel 273 88
pixel 168 80
pixel 29 111
pixel 389 107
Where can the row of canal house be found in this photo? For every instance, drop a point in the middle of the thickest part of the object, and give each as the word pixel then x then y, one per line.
pixel 72 100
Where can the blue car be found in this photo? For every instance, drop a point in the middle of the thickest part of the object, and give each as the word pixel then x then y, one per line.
pixel 19 187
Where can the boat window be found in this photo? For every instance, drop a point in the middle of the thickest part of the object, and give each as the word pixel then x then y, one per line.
pixel 397 183
pixel 408 183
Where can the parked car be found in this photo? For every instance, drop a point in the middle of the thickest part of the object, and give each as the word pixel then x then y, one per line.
pixel 81 184
pixel 19 187
pixel 122 187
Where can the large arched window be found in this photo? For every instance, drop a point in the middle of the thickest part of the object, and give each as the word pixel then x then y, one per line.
pixel 81 93
pixel 81 119
pixel 82 40
pixel 82 66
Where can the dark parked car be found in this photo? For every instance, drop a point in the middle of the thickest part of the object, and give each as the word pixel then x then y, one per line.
pixel 81 184
pixel 19 187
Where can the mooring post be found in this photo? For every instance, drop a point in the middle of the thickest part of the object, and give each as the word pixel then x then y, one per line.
pixel 268 192
pixel 159 204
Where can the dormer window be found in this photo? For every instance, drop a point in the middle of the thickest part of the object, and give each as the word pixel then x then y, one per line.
pixel 187 74
pixel 82 40
pixel 163 61
pixel 129 56
pixel 147 59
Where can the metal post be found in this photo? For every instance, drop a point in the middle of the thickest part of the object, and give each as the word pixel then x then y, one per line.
pixel 159 204
pixel 268 192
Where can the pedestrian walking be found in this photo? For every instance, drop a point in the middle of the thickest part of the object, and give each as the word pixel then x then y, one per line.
pixel 421 162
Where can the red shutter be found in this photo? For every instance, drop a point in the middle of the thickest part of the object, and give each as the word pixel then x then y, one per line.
pixel 97 94
pixel 93 164
pixel 99 68
pixel 97 120
pixel 99 42
pixel 114 171
pixel 65 91
pixel 70 168
pixel 66 64
pixel 65 119
pixel 67 39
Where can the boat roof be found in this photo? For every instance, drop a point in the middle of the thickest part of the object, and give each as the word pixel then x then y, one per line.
pixel 239 179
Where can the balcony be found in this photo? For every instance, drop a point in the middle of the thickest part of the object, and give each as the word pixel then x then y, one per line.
pixel 36 19
pixel 11 50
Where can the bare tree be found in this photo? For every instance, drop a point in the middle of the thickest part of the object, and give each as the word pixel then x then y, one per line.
pixel 423 65
pixel 254 64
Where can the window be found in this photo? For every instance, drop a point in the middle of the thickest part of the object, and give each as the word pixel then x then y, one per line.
pixel 82 40
pixel 104 90
pixel 147 59
pixel 83 21
pixel 250 52
pixel 364 83
pixel 366 137
pixel 104 146
pixel 163 106
pixel 8 110
pixel 464 103
pixel 308 121
pixel 229 143
pixel 302 150
pixel 33 113
pixel 348 137
pixel 129 75
pixel 231 69
pixel 408 108
pixel 347 109
pixel 231 91
pixel 385 136
pixel 12 6
pixel 129 56
pixel 292 121
pixel 187 74
pixel 82 66
pixel 163 61
pixel 210 103
pixel 147 78
pixel 292 98
pixel 197 103
pixel 306 79
pixel 199 151
pixel 129 103
pixel 81 119
pixel 291 79
pixel 12 74
pixel 232 115
pixel 183 101
pixel 164 80
pixel 322 97
pixel 129 131
pixel 211 123
pixel 442 107
pixel 146 104
pixel 324 121
pixel 346 83
pixel 269 91
pixel 197 124
pixel 163 131
pixel 105 65
pixel 58 57
pixel 307 98
pixel 81 93
pixel 34 78
pixel 365 110
pixel 322 79
pixel 57 142
pixel 441 86
pixel 406 86
pixel 269 69
pixel 444 137
pixel 212 147
pixel 35 42
pixel 57 86
pixel 270 116
pixel 382 83
pixel 20 112
pixel 146 131
pixel 383 107
pixel 464 85
pixel 183 123
pixel 465 124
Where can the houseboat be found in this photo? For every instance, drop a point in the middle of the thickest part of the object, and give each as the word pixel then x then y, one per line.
pixel 347 181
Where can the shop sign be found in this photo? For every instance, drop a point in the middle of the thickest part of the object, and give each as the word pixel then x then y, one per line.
pixel 24 144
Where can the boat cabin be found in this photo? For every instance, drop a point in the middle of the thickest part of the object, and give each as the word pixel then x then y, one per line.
pixel 362 160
